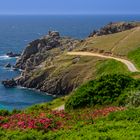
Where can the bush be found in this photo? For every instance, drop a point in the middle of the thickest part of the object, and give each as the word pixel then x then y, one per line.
pixel 106 90
pixel 134 99
pixel 4 113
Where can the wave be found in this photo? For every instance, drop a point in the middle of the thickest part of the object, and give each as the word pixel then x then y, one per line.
pixel 5 57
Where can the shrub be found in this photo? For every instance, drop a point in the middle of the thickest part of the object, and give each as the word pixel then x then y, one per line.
pixel 4 113
pixel 134 99
pixel 106 90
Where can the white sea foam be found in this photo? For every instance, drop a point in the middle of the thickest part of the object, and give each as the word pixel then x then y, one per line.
pixel 4 57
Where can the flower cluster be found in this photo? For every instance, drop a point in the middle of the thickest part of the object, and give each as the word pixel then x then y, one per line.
pixel 29 121
pixel 53 120
pixel 106 111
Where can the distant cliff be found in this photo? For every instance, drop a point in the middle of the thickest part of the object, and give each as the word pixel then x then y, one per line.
pixel 112 28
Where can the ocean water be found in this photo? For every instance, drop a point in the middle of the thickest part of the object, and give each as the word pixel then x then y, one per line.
pixel 17 31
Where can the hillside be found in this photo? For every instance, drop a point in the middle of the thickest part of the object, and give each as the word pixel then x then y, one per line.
pixel 123 44
pixel 47 66
pixel 101 73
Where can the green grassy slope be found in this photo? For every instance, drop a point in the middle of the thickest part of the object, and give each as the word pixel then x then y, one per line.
pixel 118 125
pixel 124 44
pixel 111 67
pixel 135 56
pixel 81 125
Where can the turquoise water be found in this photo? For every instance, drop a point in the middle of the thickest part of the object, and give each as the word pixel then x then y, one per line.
pixel 17 31
pixel 17 98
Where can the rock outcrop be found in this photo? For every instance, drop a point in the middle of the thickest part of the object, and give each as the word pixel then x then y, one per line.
pixel 112 28
pixel 38 64
pixel 11 54
pixel 45 66
pixel 8 65
pixel 38 50
pixel 9 83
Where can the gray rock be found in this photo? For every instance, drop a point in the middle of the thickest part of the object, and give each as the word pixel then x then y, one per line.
pixel 8 65
pixel 11 54
pixel 54 34
pixel 75 60
pixel 112 28
pixel 9 83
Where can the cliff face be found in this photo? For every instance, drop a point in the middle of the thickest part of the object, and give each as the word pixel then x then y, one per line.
pixel 39 50
pixel 39 63
pixel 47 67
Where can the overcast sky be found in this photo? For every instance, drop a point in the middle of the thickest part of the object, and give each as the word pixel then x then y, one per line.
pixel 69 7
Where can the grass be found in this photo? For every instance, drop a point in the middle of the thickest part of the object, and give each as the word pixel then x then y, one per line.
pixel 71 75
pixel 105 42
pixel 50 105
pixel 105 90
pixel 111 67
pixel 135 57
pixel 100 123
pixel 117 125
pixel 123 42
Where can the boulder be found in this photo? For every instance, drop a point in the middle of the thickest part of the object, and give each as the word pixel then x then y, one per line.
pixel 9 83
pixel 75 60
pixel 54 34
pixel 11 54
pixel 8 65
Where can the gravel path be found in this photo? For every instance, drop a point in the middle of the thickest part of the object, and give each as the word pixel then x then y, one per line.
pixel 62 107
pixel 129 64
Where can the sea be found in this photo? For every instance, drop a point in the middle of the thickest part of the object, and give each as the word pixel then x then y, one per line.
pixel 17 31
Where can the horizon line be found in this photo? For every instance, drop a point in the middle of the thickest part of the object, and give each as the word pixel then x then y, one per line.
pixel 84 14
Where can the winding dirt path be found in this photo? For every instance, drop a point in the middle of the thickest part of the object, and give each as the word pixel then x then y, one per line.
pixel 131 67
pixel 62 107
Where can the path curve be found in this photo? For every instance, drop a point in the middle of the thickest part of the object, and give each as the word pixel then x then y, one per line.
pixel 62 107
pixel 131 67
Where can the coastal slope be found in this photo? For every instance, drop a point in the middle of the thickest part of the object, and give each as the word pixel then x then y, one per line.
pixel 47 67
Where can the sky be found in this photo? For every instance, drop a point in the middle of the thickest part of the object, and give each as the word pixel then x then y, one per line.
pixel 47 7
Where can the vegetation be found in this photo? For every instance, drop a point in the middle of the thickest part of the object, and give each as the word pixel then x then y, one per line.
pixel 119 125
pixel 110 67
pixel 135 57
pixel 109 123
pixel 105 108
pixel 50 105
pixel 106 90
pixel 120 44
pixel 134 99
pixel 44 124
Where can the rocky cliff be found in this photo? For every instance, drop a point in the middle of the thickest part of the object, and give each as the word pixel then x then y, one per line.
pixel 46 66
pixel 39 50
pixel 112 28
pixel 39 61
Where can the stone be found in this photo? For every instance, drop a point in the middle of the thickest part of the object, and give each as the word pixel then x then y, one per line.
pixel 9 83
pixel 75 60
pixel 8 65
pixel 112 28
pixel 11 54
pixel 54 33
